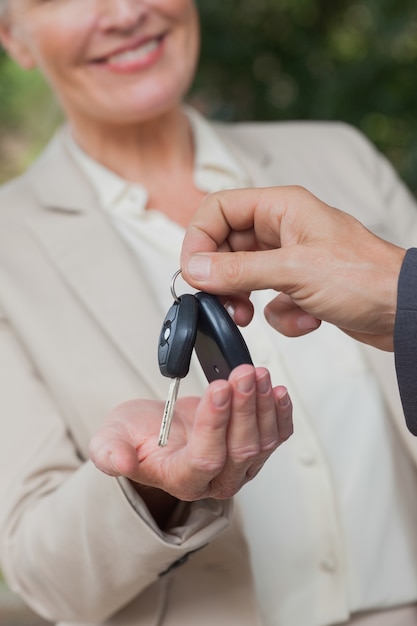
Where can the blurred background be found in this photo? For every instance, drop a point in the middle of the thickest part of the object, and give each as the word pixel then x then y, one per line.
pixel 272 60
pixel 264 60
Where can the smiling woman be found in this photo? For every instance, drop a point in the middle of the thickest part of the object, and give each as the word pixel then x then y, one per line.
pixel 124 64
pixel 97 522
pixel 147 72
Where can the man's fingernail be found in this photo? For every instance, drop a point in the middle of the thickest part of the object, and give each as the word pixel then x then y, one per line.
pixel 230 309
pixel 199 266
pixel 113 465
pixel 307 322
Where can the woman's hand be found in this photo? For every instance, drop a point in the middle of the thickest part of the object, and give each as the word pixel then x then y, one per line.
pixel 216 443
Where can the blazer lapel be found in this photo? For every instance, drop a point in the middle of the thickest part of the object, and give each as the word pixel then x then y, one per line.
pixel 95 263
pixel 252 156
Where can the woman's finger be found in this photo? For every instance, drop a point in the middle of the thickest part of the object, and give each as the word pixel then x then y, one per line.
pixel 266 411
pixel 284 412
pixel 206 448
pixel 243 435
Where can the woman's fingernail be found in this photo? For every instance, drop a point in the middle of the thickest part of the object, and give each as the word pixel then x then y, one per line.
pixel 245 383
pixel 263 384
pixel 199 266
pixel 284 400
pixel 221 396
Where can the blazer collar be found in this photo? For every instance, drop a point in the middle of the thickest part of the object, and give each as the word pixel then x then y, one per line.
pixel 253 156
pixel 54 170
pixel 95 263
pixel 56 165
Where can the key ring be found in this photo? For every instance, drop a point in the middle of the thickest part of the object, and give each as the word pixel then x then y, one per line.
pixel 174 278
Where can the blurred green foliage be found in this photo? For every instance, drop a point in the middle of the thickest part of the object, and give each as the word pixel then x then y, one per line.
pixel 28 115
pixel 276 60
pixel 316 59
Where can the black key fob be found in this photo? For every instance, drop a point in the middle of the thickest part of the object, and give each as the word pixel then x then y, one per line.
pixel 177 337
pixel 219 344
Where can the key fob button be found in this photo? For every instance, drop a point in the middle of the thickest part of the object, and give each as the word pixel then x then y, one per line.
pixel 177 337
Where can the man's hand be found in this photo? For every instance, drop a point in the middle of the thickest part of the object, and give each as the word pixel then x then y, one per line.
pixel 327 265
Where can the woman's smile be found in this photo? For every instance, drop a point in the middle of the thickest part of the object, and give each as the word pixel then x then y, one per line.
pixel 126 62
pixel 133 57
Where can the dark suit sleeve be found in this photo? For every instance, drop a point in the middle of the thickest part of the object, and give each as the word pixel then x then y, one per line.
pixel 405 338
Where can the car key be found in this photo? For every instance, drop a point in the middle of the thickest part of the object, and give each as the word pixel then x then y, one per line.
pixel 175 347
pixel 219 344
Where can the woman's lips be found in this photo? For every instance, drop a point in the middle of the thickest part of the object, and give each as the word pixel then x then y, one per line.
pixel 139 57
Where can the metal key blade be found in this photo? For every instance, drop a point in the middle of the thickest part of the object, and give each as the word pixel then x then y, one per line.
pixel 175 347
pixel 168 412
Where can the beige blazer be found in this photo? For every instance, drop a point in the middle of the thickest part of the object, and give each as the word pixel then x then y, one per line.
pixel 78 334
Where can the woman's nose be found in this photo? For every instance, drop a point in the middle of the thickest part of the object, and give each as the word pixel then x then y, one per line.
pixel 121 14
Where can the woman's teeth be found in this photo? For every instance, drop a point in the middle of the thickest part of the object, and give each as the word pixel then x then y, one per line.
pixel 136 54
